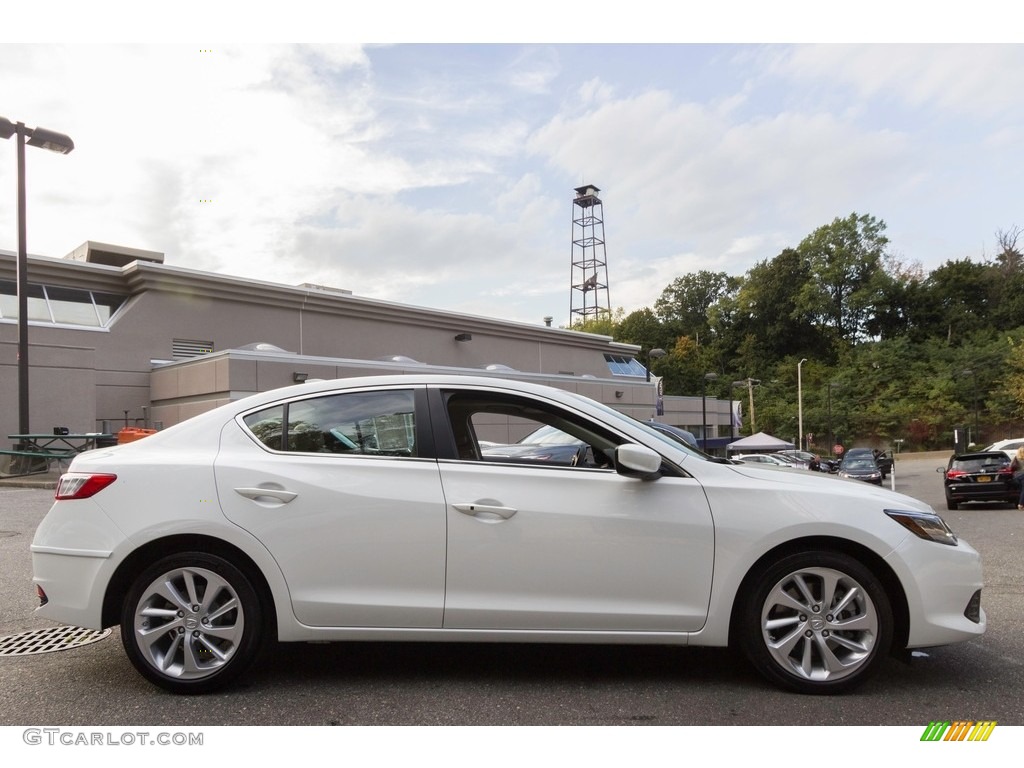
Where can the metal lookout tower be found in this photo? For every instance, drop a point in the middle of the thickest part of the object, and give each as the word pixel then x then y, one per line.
pixel 589 299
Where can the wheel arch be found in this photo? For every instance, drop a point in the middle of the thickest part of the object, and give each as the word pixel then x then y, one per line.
pixel 870 560
pixel 133 565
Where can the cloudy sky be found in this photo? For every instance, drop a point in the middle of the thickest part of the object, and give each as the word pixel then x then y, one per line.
pixel 442 173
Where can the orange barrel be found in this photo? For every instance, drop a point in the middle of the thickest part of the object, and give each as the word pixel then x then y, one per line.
pixel 130 434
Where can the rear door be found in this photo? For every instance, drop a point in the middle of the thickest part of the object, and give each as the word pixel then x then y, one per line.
pixel 345 502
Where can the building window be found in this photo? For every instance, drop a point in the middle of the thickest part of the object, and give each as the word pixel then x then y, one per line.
pixel 620 365
pixel 185 348
pixel 59 305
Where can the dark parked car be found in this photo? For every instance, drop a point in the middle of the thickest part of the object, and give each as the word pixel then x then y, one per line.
pixel 980 476
pixel 882 458
pixel 679 435
pixel 861 467
pixel 547 444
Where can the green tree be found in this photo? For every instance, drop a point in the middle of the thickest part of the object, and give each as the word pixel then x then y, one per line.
pixel 685 303
pixel 848 282
pixel 955 300
pixel 769 312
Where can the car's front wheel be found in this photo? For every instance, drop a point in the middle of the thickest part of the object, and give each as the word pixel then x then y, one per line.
pixel 817 622
pixel 191 623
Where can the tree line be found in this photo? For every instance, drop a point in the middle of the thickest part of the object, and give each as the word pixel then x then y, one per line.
pixel 895 356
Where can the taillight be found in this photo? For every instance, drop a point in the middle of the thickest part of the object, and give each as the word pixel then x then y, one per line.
pixel 953 473
pixel 79 485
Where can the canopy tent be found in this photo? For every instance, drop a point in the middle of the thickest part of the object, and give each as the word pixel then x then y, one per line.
pixel 758 442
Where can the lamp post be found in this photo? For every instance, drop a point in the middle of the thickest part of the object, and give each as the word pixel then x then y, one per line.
pixel 732 413
pixel 704 410
pixel 653 354
pixel 970 372
pixel 800 402
pixel 831 438
pixel 55 142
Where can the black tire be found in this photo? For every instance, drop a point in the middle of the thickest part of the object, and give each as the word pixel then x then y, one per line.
pixel 191 623
pixel 950 504
pixel 816 650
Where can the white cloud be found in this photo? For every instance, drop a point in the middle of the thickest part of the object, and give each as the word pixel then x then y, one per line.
pixel 444 176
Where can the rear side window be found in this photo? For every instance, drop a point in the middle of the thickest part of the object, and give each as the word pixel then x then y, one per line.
pixel 351 424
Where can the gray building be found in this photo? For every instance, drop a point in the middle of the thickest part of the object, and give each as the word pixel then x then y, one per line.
pixel 117 336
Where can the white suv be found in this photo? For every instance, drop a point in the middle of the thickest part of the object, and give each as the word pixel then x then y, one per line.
pixel 1009 447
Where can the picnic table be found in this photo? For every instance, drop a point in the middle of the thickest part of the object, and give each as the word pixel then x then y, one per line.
pixel 33 452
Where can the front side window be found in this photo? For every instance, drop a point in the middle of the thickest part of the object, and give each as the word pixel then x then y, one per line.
pixel 351 424
pixel 505 429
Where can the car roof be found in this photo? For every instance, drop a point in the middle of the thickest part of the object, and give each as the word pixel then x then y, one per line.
pixel 686 435
pixel 1012 442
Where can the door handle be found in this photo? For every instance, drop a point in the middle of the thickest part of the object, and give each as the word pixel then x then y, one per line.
pixel 485 511
pixel 278 494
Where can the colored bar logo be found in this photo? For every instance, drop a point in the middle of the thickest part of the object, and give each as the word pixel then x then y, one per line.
pixel 958 730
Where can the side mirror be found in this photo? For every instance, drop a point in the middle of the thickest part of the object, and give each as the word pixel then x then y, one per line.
pixel 637 461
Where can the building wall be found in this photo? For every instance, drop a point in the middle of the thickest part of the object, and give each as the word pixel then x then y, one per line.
pixel 89 378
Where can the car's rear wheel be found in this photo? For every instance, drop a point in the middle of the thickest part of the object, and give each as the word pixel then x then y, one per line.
pixel 191 623
pixel 950 504
pixel 817 622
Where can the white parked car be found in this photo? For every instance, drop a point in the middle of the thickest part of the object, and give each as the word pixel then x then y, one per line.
pixel 764 458
pixel 1009 447
pixel 364 509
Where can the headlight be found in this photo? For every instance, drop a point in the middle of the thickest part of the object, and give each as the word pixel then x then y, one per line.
pixel 925 525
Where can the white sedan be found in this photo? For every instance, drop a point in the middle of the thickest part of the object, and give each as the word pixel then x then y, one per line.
pixel 364 509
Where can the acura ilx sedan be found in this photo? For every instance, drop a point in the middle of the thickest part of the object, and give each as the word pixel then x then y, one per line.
pixel 366 509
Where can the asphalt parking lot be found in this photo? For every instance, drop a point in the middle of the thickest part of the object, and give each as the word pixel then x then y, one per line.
pixel 418 684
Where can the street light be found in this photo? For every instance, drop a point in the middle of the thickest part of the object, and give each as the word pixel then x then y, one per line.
pixel 974 376
pixel 831 438
pixel 704 410
pixel 800 401
pixel 655 354
pixel 732 411
pixel 55 142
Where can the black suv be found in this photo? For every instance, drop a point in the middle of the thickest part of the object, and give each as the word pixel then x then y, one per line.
pixel 980 476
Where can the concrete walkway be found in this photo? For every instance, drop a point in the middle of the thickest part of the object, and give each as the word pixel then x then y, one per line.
pixel 37 480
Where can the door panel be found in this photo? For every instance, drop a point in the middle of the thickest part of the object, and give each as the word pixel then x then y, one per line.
pixel 358 529
pixel 585 549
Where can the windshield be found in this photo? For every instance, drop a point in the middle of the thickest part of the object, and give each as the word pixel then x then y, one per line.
pixel 859 464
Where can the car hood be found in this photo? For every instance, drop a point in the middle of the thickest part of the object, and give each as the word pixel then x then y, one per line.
pixel 873 494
